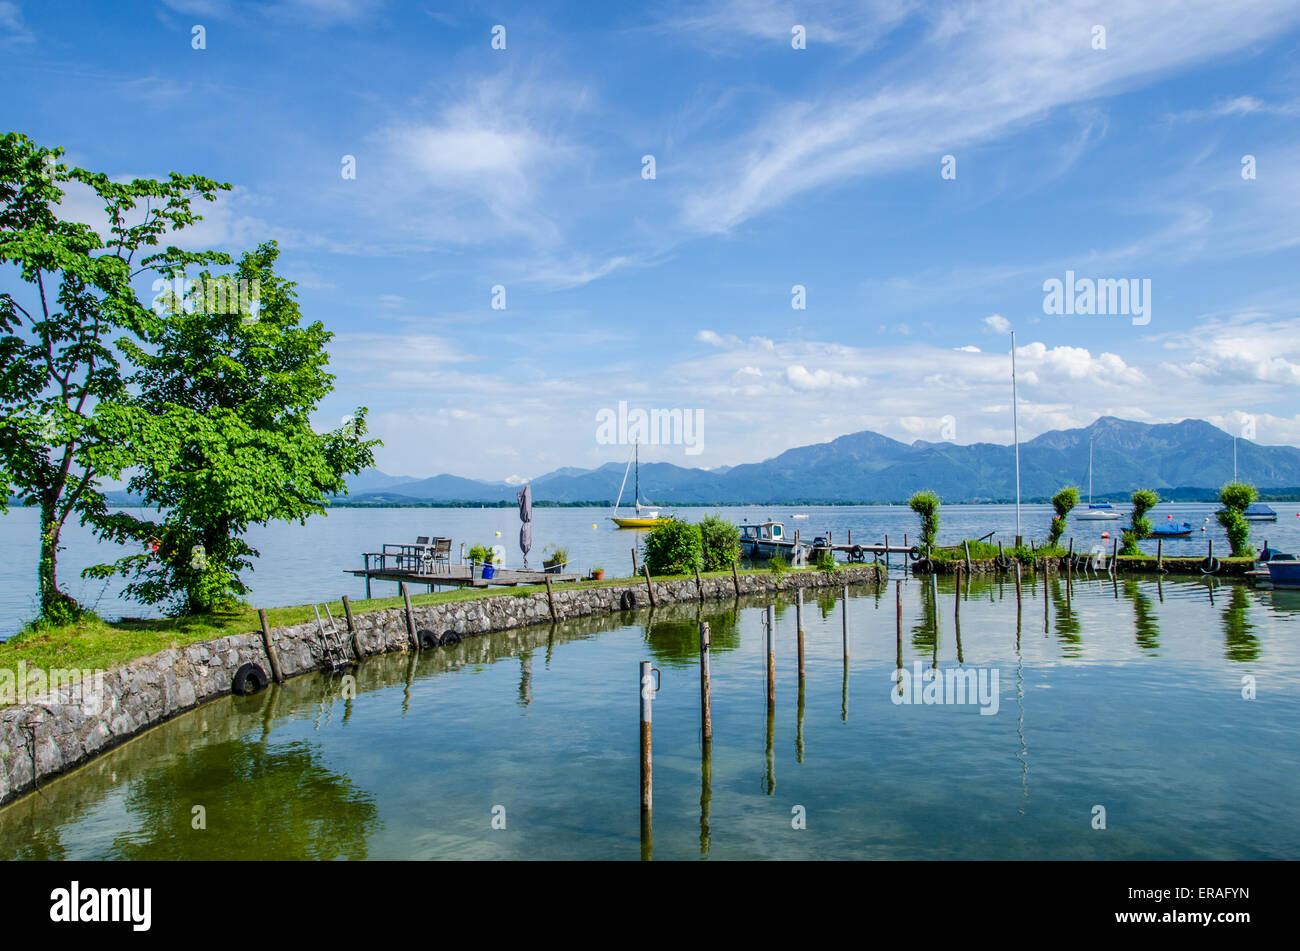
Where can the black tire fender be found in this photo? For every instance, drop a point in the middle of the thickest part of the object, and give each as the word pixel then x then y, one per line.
pixel 914 553
pixel 248 679
pixel 427 638
pixel 628 601
pixel 1210 566
pixel 449 637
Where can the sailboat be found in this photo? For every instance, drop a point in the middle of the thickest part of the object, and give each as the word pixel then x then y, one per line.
pixel 644 518
pixel 1100 511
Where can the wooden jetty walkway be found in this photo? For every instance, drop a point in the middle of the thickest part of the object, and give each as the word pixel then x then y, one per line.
pixel 404 569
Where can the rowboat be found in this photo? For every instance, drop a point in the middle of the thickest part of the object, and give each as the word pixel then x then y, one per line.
pixel 1284 571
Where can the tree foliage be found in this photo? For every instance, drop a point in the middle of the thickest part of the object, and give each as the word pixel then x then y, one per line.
pixel 59 370
pixel 926 504
pixel 1062 503
pixel 720 543
pixel 220 439
pixel 1236 497
pixel 1144 500
pixel 673 548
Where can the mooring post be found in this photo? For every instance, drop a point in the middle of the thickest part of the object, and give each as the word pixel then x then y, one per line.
pixel 1018 586
pixel 410 616
pixel 367 557
pixel 798 623
pixel 269 645
pixel 635 571
pixel 1069 563
pixel 646 687
pixel 550 597
pixel 966 545
pixel 735 578
pixel 886 550
pixel 771 658
pixel 347 613
pixel 650 588
pixel 1160 553
pixel 844 618
pixel 699 585
pixel 1114 554
pixel 706 718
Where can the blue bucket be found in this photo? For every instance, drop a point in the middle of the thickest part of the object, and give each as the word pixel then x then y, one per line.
pixel 488 571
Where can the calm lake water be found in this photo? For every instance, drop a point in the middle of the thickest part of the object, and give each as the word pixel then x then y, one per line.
pixel 1125 695
pixel 302 563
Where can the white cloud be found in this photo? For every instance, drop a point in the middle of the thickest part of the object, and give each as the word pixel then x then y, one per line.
pixel 801 378
pixel 997 324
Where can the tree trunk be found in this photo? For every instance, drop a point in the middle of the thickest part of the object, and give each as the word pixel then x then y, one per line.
pixel 55 605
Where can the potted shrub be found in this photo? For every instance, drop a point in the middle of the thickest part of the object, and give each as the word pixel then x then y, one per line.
pixel 597 573
pixel 554 558
pixel 482 555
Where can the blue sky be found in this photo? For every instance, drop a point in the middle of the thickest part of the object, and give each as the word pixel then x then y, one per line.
pixel 774 167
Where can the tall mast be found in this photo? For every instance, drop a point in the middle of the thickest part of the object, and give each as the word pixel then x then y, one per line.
pixel 1090 472
pixel 636 451
pixel 1015 425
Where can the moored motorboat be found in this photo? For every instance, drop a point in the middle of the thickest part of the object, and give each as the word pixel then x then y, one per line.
pixel 1259 512
pixel 1284 571
pixel 1172 530
pixel 766 539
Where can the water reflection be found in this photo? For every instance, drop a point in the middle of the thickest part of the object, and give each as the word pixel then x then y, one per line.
pixel 1241 643
pixel 1146 632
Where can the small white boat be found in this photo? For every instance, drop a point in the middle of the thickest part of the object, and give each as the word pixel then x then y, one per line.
pixel 1099 512
pixel 766 539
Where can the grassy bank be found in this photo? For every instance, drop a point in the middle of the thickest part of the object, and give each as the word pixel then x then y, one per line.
pixel 96 644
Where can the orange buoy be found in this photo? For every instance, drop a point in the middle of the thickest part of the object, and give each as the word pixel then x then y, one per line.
pixel 1105 534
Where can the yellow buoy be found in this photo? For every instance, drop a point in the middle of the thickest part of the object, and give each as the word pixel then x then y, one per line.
pixel 498 534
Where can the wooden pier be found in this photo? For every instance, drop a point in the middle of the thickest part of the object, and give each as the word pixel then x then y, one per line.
pixel 384 566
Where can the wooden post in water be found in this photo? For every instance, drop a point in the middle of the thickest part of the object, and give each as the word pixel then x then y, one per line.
pixel 347 612
pixel 269 644
pixel 647 688
pixel 844 614
pixel 966 545
pixel 635 571
pixel 1160 553
pixel 886 551
pixel 550 597
pixel 956 592
pixel 1069 564
pixel 798 623
pixel 1018 595
pixel 706 717
pixel 699 585
pixel 771 659
pixel 367 557
pixel 650 588
pixel 1114 553
pixel 735 578
pixel 410 617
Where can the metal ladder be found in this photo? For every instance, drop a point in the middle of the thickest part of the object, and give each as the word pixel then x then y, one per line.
pixel 334 653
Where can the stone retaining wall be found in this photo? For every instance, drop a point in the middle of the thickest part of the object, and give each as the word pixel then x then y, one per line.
pixel 39 740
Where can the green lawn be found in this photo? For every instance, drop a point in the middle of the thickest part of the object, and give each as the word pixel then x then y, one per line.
pixel 101 645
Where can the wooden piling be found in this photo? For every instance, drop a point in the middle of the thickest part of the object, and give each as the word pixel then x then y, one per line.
pixel 646 687
pixel 649 587
pixel 706 717
pixel 1018 594
pixel 269 645
pixel 956 595
pixel 886 551
pixel 635 570
pixel 699 585
pixel 844 616
pixel 735 578
pixel 798 623
pixel 410 616
pixel 1114 553
pixel 966 545
pixel 550 598
pixel 1160 553
pixel 352 627
pixel 771 658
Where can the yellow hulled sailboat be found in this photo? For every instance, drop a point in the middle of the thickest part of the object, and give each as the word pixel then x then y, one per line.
pixel 644 517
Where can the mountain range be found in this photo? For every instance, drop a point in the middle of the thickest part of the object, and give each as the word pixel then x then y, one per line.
pixel 1180 460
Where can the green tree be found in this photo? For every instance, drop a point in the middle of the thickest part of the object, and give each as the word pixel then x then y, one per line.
pixel 926 505
pixel 1062 502
pixel 59 370
pixel 673 548
pixel 220 439
pixel 1236 497
pixel 720 542
pixel 1144 500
